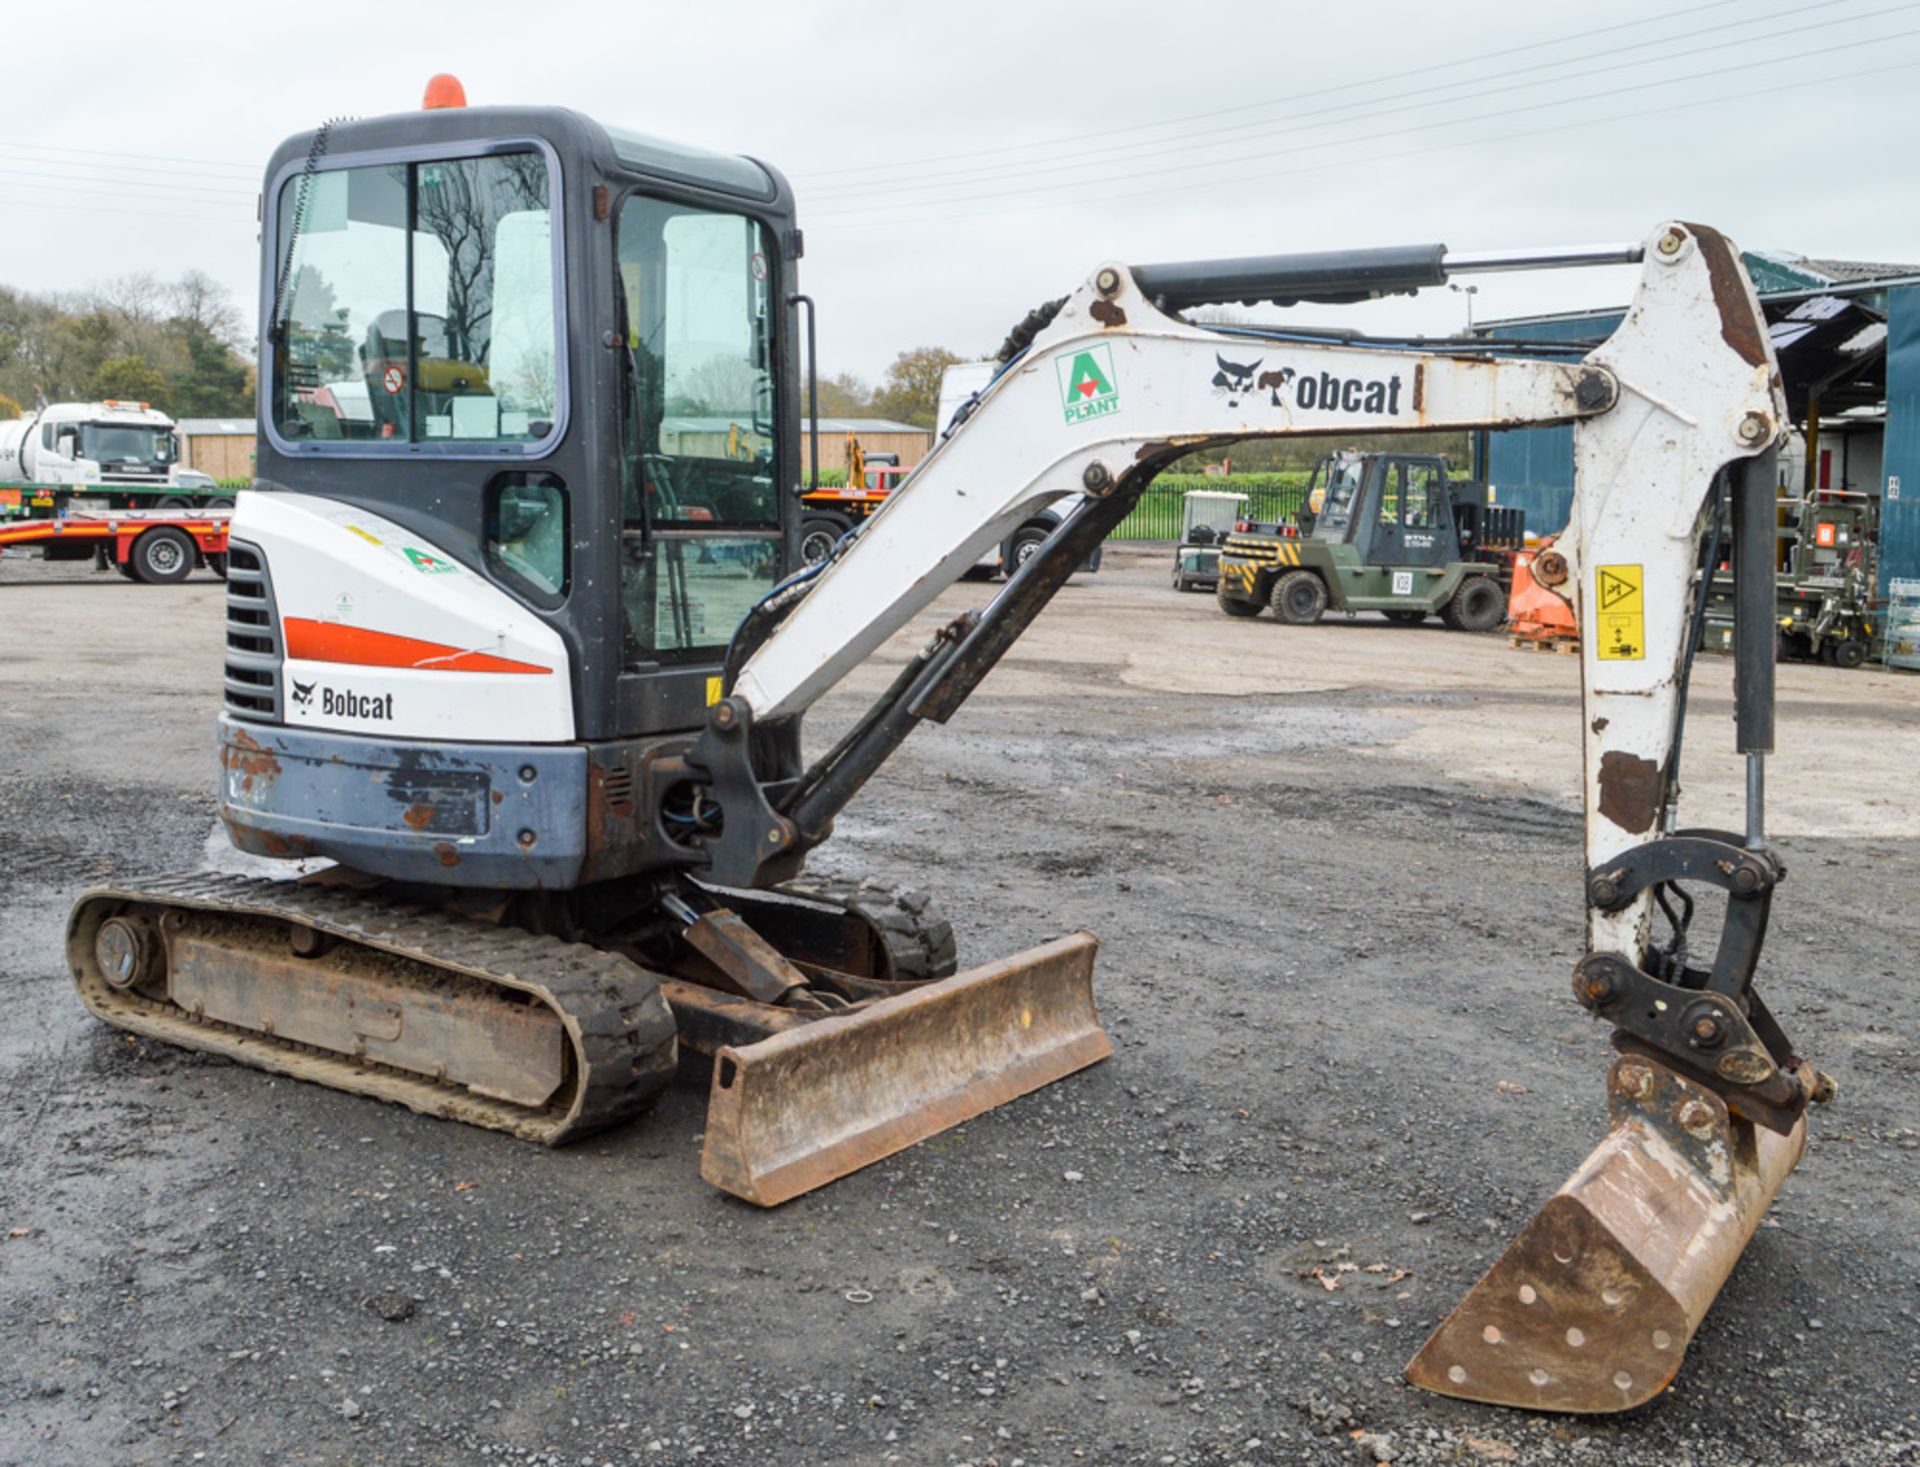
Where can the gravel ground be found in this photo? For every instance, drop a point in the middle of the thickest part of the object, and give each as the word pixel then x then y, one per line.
pixel 1336 876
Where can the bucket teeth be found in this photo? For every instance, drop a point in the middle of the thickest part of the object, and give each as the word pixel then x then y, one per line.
pixel 1591 1307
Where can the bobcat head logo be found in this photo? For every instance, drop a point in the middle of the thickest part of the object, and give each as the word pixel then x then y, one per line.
pixel 302 693
pixel 1272 382
pixel 1234 380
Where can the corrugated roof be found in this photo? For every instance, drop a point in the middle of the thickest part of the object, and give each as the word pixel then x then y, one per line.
pixel 215 427
pixel 1850 271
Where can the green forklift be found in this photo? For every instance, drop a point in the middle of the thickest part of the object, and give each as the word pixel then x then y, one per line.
pixel 1386 532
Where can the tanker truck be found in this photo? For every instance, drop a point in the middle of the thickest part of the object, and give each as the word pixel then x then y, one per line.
pixel 111 455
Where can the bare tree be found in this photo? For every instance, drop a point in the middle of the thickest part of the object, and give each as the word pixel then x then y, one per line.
pixel 200 300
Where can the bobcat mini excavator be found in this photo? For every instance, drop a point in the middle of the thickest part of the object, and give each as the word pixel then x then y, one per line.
pixel 521 643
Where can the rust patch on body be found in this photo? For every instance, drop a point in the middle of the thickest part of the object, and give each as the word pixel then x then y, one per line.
pixel 1630 789
pixel 419 816
pixel 245 757
pixel 449 855
pixel 1419 387
pixel 1107 314
pixel 1740 325
pixel 265 842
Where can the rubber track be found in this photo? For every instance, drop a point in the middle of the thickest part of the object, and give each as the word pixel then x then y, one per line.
pixel 621 1031
pixel 919 939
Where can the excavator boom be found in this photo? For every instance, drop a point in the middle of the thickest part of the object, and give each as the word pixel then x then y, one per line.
pixel 1676 418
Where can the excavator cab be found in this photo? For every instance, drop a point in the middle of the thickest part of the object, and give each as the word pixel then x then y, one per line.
pixel 528 462
pixel 554 322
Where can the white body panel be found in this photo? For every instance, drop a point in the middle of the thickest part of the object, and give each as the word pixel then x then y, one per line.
pixel 349 582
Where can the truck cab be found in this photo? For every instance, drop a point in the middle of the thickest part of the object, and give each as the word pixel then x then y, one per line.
pixel 124 453
pixel 1386 532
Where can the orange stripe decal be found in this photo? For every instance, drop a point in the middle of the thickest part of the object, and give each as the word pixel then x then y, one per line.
pixel 328 641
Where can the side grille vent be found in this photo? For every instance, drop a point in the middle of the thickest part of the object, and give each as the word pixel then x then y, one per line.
pixel 618 790
pixel 253 637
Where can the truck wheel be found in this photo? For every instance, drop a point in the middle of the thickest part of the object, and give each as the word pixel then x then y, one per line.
pixel 161 557
pixel 1478 606
pixel 1233 605
pixel 1850 653
pixel 173 501
pixel 1299 598
pixel 1021 547
pixel 818 535
pixel 1407 618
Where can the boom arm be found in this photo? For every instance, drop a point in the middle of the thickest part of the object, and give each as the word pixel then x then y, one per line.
pixel 1683 398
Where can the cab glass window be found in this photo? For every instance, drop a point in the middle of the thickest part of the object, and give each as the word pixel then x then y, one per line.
pixel 1393 491
pixel 526 540
pixel 698 302
pixel 418 303
pixel 701 538
pixel 1343 483
pixel 1423 491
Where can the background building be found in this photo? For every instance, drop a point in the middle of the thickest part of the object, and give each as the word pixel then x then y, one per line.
pixel 1847 335
pixel 222 447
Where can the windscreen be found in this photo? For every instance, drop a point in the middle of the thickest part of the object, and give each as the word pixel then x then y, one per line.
pixel 418 304
pixel 126 443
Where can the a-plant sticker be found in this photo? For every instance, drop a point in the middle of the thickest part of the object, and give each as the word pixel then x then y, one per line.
pixel 431 565
pixel 1087 387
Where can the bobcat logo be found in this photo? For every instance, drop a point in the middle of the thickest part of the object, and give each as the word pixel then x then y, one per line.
pixel 1273 381
pixel 303 693
pixel 1234 380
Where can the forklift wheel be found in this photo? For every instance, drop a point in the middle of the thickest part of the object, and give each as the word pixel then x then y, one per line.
pixel 1850 653
pixel 1299 598
pixel 1407 618
pixel 1233 605
pixel 1478 606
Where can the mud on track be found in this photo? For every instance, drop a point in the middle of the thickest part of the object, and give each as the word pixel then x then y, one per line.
pixel 1336 875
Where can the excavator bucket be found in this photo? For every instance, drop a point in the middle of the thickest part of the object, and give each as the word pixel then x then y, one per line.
pixel 1590 1309
pixel 813 1103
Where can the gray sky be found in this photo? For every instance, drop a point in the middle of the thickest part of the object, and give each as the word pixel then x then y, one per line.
pixel 957 164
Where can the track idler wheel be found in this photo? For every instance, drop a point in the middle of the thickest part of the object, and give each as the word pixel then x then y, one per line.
pixel 1590 1309
pixel 128 951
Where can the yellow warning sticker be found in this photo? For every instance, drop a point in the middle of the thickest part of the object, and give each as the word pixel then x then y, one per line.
pixel 713 691
pixel 1621 613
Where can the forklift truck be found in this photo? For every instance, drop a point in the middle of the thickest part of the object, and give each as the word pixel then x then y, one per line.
pixel 1392 533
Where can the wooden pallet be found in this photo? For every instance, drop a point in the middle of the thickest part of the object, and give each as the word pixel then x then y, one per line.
pixel 1566 646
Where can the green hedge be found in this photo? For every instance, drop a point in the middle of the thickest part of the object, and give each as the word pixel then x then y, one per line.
pixel 1270 497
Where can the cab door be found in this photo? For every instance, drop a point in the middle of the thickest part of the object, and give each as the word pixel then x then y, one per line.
pixel 1412 514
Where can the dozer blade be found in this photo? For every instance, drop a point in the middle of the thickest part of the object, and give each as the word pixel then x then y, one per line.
pixel 801 1108
pixel 1591 1307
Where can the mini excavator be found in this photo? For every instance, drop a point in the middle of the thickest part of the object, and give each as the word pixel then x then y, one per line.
pixel 519 641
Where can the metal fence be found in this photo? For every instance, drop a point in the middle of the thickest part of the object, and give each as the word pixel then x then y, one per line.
pixel 1158 514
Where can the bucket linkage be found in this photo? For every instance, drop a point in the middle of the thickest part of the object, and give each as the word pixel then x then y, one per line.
pixel 1591 1307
